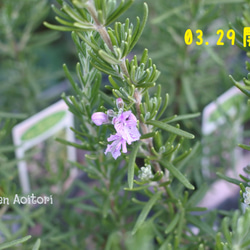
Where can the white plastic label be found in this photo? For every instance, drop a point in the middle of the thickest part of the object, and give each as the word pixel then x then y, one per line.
pixel 39 128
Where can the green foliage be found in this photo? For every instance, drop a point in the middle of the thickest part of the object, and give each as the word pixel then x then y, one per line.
pixel 106 50
pixel 193 75
pixel 8 175
pixel 21 74
pixel 115 208
pixel 242 23
pixel 15 242
pixel 235 232
pixel 186 71
pixel 8 172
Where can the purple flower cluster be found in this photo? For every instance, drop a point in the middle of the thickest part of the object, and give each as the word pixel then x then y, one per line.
pixel 125 124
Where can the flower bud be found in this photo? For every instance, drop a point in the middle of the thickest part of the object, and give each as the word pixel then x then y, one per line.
pixel 111 113
pixel 99 118
pixel 119 103
pixel 246 196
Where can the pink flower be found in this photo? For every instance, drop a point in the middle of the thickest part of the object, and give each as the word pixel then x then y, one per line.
pixel 115 147
pixel 99 118
pixel 126 125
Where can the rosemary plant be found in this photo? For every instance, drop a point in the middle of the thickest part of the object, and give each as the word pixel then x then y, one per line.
pixel 141 194
pixel 133 118
pixel 127 112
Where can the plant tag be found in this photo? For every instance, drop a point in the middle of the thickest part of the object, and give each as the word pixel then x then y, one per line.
pixel 226 107
pixel 222 131
pixel 33 133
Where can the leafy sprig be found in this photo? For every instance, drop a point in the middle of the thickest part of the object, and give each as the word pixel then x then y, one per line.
pixel 107 50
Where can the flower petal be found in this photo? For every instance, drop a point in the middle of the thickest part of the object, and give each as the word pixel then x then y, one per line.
pixel 99 118
pixel 126 125
pixel 115 147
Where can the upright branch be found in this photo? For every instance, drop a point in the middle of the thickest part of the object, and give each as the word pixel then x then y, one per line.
pixel 137 115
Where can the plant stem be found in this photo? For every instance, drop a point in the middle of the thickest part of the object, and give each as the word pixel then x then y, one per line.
pixel 99 27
